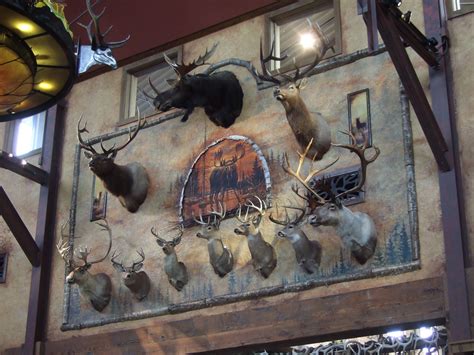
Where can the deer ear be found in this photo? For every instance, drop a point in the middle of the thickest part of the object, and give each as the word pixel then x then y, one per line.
pixel 87 154
pixel 302 84
pixel 137 267
pixel 256 220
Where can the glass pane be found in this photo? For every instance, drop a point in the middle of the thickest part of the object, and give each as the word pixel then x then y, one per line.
pixel 28 134
pixel 158 75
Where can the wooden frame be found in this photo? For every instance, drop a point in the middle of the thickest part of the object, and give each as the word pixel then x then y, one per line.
pixel 351 102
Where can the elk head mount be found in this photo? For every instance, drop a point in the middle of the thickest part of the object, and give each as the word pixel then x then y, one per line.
pixel 305 125
pixel 174 269
pixel 135 280
pixel 219 93
pixel 263 254
pixel 95 287
pixel 128 182
pixel 307 252
pixel 356 229
pixel 220 256
pixel 99 51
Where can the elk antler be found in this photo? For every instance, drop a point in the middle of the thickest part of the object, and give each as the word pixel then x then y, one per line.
pixel 82 143
pixel 98 36
pixel 360 151
pixel 266 76
pixel 182 69
pixel 297 173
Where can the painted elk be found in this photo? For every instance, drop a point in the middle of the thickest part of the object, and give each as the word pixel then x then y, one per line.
pixel 99 51
pixel 174 269
pixel 305 125
pixel 307 252
pixel 219 93
pixel 220 256
pixel 263 254
pixel 135 280
pixel 95 287
pixel 224 176
pixel 356 229
pixel 128 182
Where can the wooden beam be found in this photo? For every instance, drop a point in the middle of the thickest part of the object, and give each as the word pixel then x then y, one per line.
pixel 279 321
pixel 36 325
pixel 451 187
pixel 368 7
pixel 23 168
pixel 416 95
pixel 18 229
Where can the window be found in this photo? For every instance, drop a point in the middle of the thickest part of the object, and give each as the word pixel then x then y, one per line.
pixel 288 27
pixel 136 78
pixel 24 137
pixel 459 7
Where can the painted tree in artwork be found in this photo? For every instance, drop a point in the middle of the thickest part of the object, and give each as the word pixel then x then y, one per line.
pixel 391 252
pixel 405 248
pixel 258 176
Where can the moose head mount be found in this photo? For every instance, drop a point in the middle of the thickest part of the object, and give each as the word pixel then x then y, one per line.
pixel 305 125
pixel 99 51
pixel 219 93
pixel 128 182
pixel 174 269
pixel 95 287
pixel 263 254
pixel 220 256
pixel 307 252
pixel 356 229
pixel 135 280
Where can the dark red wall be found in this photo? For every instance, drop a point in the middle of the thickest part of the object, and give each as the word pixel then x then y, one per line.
pixel 154 23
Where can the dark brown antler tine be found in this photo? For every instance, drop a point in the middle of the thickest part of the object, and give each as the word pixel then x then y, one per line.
pixel 276 221
pixel 82 143
pixel 298 218
pixel 153 87
pixel 131 136
pixel 266 76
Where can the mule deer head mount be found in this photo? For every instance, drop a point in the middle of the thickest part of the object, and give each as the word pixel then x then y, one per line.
pixel 95 287
pixel 220 256
pixel 174 269
pixel 98 51
pixel 128 182
pixel 135 280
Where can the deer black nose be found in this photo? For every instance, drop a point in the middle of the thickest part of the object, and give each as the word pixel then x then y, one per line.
pixel 313 220
pixel 281 234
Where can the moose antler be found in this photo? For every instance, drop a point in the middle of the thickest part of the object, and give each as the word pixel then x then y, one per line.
pixel 98 36
pixel 182 69
pixel 360 151
pixel 306 180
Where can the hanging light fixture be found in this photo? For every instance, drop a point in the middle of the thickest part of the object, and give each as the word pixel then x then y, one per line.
pixel 37 59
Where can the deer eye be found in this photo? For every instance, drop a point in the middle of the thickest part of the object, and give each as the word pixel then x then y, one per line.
pixel 292 87
pixel 332 207
pixel 290 226
pixel 209 228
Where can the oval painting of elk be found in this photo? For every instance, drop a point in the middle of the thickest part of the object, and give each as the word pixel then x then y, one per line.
pixel 227 174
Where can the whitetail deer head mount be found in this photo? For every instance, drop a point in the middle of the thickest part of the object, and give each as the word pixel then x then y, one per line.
pixel 356 229
pixel 219 93
pixel 220 256
pixel 305 125
pixel 99 51
pixel 307 252
pixel 174 269
pixel 135 280
pixel 128 182
pixel 95 287
pixel 263 254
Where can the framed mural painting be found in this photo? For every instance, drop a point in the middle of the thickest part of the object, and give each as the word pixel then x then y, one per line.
pixel 358 107
pixel 229 172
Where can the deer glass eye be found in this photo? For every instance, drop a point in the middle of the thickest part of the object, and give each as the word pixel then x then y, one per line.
pixel 209 228
pixel 290 226
pixel 292 87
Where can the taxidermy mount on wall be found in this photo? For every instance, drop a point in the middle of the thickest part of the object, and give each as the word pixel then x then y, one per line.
pixel 356 229
pixel 307 252
pixel 174 269
pixel 263 254
pixel 219 93
pixel 128 182
pixel 306 126
pixel 220 256
pixel 135 280
pixel 99 51
pixel 98 287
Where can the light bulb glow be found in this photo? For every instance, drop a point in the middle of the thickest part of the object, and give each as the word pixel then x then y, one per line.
pixel 307 40
pixel 44 85
pixel 24 27
pixel 426 332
